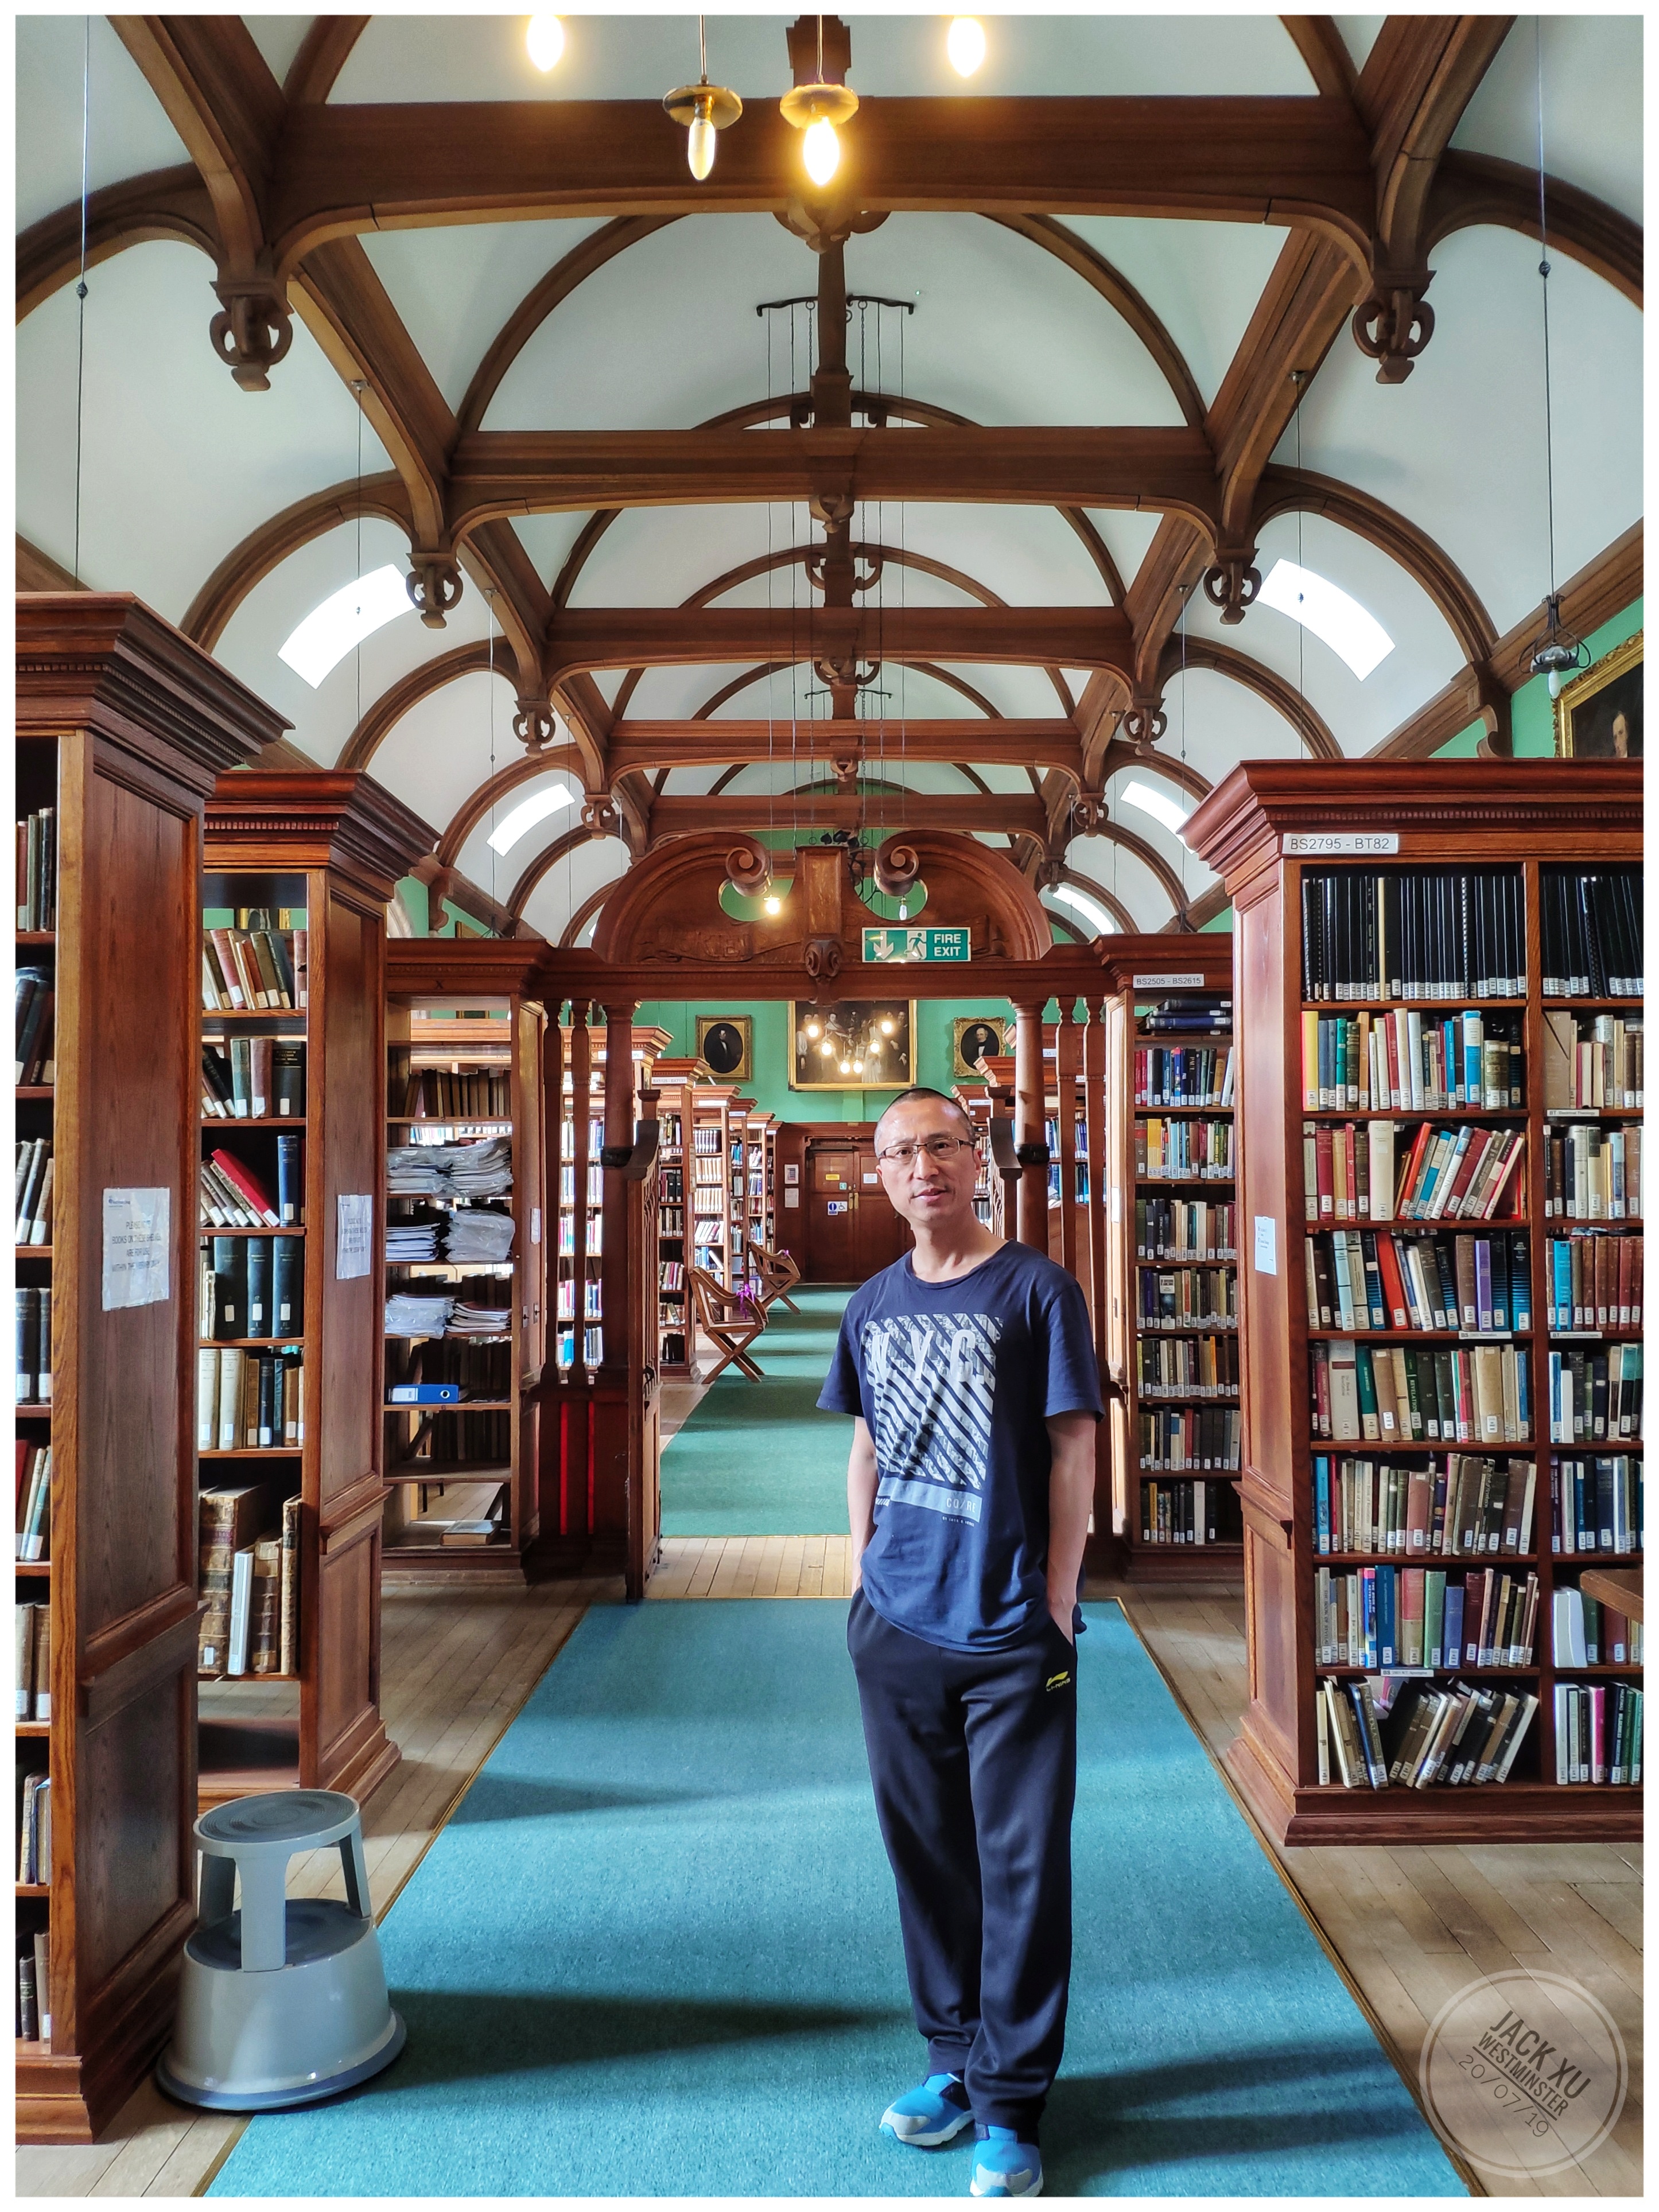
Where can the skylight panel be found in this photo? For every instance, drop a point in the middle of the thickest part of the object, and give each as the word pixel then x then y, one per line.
pixel 1353 634
pixel 1157 804
pixel 351 614
pixel 537 808
pixel 1096 916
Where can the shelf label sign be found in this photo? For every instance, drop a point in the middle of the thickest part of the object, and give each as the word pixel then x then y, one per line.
pixel 1267 1244
pixel 1168 983
pixel 1319 844
pixel 354 1237
pixel 893 946
pixel 136 1224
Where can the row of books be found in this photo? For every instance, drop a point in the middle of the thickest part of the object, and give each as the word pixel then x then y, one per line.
pixel 1592 1174
pixel 1461 1733
pixel 260 970
pixel 36 1027
pixel 1189 1437
pixel 668 1135
pixel 1593 1280
pixel 705 1137
pixel 593 1347
pixel 1350 1172
pixel 565 1300
pixel 670 1221
pixel 249 1078
pixel 1366 1279
pixel 672 1350
pixel 33 1361
pixel 1189 1513
pixel 1598 1732
pixel 1423 1617
pixel 1591 931
pixel 595 1243
pixel 1597 1505
pixel 1413 933
pixel 233 1195
pixel 252 1286
pixel 1585 1632
pixel 1184 1075
pixel 1185 1228
pixel 34 1828
pixel 1184 1149
pixel 1595 1397
pixel 1399 1393
pixel 1186 1366
pixel 449 1439
pixel 33 1191
pixel 476 1094
pixel 33 2016
pixel 1412 1062
pixel 567 1183
pixel 476 1369
pixel 250 1579
pixel 672 1184
pixel 32 1660
pixel 1592 1060
pixel 706 1174
pixel 1198 1013
pixel 1187 1298
pixel 1471 1507
pixel 671 1275
pixel 34 1500
pixel 249 1400
pixel 37 870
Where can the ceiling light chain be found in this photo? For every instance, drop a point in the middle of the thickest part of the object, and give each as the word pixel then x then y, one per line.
pixel 1560 652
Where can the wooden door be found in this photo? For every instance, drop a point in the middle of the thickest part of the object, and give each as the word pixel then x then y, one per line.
pixel 832 1218
pixel 881 1233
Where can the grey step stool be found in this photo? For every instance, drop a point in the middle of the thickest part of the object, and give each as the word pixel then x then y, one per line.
pixel 284 2002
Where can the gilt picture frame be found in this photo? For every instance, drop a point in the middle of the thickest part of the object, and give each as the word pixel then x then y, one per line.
pixel 892 1068
pixel 1598 715
pixel 977 1036
pixel 725 1046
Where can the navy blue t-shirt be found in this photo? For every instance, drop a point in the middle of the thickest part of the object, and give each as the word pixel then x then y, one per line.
pixel 955 1382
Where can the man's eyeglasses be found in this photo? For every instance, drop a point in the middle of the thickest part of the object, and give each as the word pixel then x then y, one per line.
pixel 937 1148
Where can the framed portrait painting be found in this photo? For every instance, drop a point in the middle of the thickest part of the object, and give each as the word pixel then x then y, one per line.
pixel 858 1044
pixel 1599 715
pixel 725 1046
pixel 980 1037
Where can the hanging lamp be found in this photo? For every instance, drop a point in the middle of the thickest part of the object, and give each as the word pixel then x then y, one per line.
pixel 1559 652
pixel 703 109
pixel 816 108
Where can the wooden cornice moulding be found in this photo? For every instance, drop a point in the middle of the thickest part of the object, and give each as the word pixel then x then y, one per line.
pixel 1210 956
pixel 483 966
pixel 333 819
pixel 104 661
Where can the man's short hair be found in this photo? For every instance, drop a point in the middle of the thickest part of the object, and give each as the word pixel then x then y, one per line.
pixel 926 1091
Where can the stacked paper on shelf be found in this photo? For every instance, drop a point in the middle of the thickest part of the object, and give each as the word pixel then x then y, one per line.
pixel 409 1315
pixel 475 1233
pixel 483 1169
pixel 408 1242
pixel 480 1321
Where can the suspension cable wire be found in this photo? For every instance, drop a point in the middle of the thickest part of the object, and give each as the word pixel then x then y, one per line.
pixel 489 601
pixel 771 777
pixel 1300 378
pixel 80 287
pixel 357 386
pixel 1544 277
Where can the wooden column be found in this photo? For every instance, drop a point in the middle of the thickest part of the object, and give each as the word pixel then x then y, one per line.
pixel 1032 1208
pixel 581 1063
pixel 1067 1058
pixel 555 1484
pixel 1094 1125
pixel 618 1139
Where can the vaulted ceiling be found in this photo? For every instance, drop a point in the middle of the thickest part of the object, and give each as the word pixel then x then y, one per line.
pixel 481 323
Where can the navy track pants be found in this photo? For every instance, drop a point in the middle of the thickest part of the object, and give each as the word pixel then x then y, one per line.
pixel 974 1760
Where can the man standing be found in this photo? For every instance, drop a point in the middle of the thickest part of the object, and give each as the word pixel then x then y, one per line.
pixel 970 1367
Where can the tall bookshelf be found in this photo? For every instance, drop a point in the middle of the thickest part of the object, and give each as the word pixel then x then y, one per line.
pixel 123 726
pixel 709 1186
pixel 1498 835
pixel 675 1081
pixel 320 853
pixel 761 1156
pixel 1173 1328
pixel 464 1044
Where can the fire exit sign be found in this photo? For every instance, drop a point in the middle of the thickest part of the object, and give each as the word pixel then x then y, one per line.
pixel 892 946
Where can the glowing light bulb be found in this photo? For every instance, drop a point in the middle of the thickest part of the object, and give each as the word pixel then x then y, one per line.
pixel 821 151
pixel 1555 683
pixel 887 1025
pixel 847 1067
pixel 964 42
pixel 858 1067
pixel 827 1050
pixel 773 905
pixel 700 144
pixel 814 1029
pixel 545 40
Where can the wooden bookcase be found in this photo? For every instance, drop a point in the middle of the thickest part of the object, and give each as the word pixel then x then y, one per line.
pixel 464 1025
pixel 329 846
pixel 122 726
pixel 1265 829
pixel 1143 1267
pixel 709 1201
pixel 675 1080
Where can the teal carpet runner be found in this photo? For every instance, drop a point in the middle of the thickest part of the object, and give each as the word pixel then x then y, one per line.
pixel 656 1953
pixel 758 1459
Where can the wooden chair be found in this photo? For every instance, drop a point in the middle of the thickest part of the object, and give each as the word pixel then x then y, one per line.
pixel 777 1273
pixel 729 1321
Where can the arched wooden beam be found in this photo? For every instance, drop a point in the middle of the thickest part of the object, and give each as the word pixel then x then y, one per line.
pixel 711 706
pixel 163 203
pixel 1076 254
pixel 1286 490
pixel 269 545
pixel 1206 907
pixel 589 907
pixel 1102 896
pixel 407 693
pixel 1070 927
pixel 1320 45
pixel 1283 698
pixel 538 303
pixel 323 53
pixel 1167 765
pixel 472 811
pixel 1152 860
pixel 549 857
pixel 1479 188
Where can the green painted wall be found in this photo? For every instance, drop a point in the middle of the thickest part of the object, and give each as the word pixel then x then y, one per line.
pixel 1532 711
pixel 1223 921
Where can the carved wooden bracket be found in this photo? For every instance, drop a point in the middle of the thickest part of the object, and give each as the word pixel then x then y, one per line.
pixel 823 959
pixel 1144 722
pixel 533 725
pixel 1393 324
pixel 601 817
pixel 1088 810
pixel 897 865
pixel 254 329
pixel 433 583
pixel 1231 585
pixel 749 868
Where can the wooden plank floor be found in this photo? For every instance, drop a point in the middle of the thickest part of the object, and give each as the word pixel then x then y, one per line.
pixel 1408 1926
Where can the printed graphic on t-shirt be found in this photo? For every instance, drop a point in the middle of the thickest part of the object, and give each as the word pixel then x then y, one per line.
pixel 932 1380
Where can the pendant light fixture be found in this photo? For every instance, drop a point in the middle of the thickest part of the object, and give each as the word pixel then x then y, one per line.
pixel 1558 653
pixel 544 40
pixel 703 109
pixel 964 42
pixel 816 108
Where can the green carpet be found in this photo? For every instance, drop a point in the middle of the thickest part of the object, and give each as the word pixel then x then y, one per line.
pixel 758 1459
pixel 656 1953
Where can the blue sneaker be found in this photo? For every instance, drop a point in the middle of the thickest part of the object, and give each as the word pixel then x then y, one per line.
pixel 930 2115
pixel 1004 2167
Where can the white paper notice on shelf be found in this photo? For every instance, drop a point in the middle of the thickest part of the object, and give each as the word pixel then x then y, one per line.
pixel 354 1236
pixel 791 1195
pixel 535 1224
pixel 1267 1244
pixel 137 1235
pixel 1318 844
